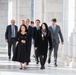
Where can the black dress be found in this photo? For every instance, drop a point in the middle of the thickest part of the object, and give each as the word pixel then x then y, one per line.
pixel 21 52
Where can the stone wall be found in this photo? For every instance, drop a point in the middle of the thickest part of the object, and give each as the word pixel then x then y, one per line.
pixel 24 10
pixel 21 9
pixel 53 9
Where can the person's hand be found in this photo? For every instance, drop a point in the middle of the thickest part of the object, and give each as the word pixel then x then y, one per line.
pixel 62 43
pixel 6 40
pixel 35 48
pixel 23 41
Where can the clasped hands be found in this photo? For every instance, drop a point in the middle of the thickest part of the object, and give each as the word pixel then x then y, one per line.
pixel 23 41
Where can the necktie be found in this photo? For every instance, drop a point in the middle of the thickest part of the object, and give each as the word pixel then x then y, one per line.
pixel 54 29
pixel 13 31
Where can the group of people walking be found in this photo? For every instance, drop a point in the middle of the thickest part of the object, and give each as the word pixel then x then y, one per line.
pixel 44 38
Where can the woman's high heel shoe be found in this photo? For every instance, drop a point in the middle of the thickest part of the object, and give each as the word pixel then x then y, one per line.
pixel 20 68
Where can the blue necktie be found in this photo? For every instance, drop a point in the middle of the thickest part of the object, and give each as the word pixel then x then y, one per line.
pixel 13 31
pixel 54 29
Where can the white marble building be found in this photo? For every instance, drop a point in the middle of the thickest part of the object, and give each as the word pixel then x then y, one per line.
pixel 45 10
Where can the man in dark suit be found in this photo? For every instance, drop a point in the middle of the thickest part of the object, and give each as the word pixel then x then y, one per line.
pixel 55 33
pixel 10 36
pixel 32 25
pixel 23 22
pixel 36 28
pixel 29 28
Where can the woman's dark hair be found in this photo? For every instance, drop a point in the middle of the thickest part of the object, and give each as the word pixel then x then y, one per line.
pixel 46 26
pixel 25 28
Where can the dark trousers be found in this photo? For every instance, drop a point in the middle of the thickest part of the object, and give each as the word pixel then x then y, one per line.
pixel 36 55
pixel 55 48
pixel 11 43
pixel 43 59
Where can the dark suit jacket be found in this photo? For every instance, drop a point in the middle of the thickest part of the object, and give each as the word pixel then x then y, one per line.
pixel 55 36
pixel 9 32
pixel 29 35
pixel 35 33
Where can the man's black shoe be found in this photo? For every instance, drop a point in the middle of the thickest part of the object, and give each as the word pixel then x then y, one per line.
pixel 49 61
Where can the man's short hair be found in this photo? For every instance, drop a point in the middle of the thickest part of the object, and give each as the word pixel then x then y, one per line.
pixel 27 19
pixel 54 20
pixel 23 20
pixel 12 20
pixel 32 22
pixel 38 20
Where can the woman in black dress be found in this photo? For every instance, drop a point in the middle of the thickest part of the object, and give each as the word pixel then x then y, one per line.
pixel 41 43
pixel 21 52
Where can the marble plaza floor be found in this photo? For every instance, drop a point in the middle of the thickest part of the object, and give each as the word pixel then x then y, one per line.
pixel 12 68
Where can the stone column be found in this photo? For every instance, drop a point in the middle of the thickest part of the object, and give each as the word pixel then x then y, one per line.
pixel 65 31
pixel 3 21
pixel 13 11
pixel 39 10
pixel 69 32
pixel 72 5
pixel 73 61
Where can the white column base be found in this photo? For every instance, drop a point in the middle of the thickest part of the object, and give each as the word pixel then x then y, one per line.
pixel 73 63
pixel 66 60
pixel 60 62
